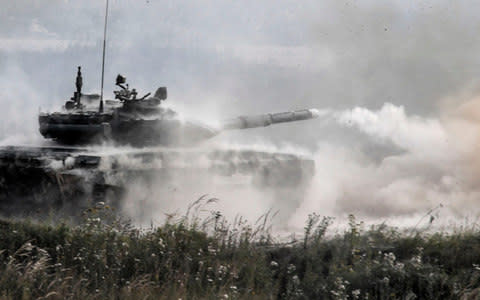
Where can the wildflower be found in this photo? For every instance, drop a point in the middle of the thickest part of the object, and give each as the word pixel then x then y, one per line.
pixel 416 261
pixel 389 258
pixel 212 250
pixel 340 288
pixel 222 269
pixel 399 266
pixel 355 293
pixel 273 264
pixel 291 268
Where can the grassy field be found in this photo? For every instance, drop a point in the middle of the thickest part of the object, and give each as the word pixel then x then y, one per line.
pixel 192 258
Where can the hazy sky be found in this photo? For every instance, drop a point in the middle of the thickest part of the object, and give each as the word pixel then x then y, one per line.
pixel 249 56
pixel 225 58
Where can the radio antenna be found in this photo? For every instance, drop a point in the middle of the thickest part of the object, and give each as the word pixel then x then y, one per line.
pixel 100 109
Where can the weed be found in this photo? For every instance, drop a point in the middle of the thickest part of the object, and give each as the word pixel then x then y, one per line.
pixel 190 257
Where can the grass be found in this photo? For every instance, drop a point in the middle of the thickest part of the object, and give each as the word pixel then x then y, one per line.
pixel 104 257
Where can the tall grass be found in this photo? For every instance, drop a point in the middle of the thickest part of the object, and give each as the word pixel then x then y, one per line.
pixel 210 258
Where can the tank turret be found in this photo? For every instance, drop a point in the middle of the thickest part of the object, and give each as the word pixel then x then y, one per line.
pixel 140 121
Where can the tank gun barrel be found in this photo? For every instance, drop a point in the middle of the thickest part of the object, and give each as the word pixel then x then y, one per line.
pixel 264 120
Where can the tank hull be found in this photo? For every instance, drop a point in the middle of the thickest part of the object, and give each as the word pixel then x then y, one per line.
pixel 72 179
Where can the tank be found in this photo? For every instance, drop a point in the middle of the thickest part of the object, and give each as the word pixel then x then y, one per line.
pixel 103 148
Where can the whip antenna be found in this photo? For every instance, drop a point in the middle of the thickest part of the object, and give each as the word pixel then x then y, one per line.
pixel 100 109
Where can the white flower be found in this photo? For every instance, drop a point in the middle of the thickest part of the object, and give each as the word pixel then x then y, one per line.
pixel 291 268
pixel 399 266
pixel 389 258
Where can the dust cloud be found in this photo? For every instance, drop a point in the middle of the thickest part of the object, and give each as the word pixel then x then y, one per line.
pixel 433 170
pixel 229 177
